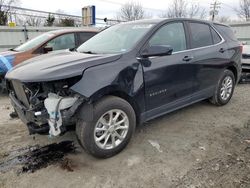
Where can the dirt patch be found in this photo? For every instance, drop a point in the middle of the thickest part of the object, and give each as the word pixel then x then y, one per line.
pixel 199 146
pixel 229 169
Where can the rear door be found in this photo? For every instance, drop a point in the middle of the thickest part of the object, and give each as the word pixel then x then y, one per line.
pixel 168 78
pixel 210 56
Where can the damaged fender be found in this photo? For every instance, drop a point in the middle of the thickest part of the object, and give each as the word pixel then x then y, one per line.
pixel 124 78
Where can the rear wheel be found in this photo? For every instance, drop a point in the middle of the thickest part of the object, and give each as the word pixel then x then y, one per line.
pixel 224 89
pixel 111 129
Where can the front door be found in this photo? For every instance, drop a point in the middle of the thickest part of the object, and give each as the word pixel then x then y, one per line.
pixel 168 79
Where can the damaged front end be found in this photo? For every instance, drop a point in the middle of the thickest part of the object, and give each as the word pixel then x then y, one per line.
pixel 46 107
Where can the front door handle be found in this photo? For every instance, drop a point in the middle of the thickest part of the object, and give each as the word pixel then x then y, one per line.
pixel 188 58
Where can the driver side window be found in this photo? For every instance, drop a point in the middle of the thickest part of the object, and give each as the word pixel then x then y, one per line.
pixel 66 41
pixel 172 34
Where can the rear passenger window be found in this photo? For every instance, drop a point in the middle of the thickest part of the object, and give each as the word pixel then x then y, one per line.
pixel 200 35
pixel 215 35
pixel 172 34
pixel 65 41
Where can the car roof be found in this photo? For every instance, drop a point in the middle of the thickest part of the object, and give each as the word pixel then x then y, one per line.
pixel 162 20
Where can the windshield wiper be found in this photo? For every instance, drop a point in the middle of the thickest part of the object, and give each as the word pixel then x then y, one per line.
pixel 89 52
pixel 12 49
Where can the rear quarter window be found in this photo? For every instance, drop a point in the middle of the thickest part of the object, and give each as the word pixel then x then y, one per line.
pixel 226 31
pixel 216 38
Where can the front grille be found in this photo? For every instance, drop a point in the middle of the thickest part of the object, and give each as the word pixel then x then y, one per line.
pixel 20 92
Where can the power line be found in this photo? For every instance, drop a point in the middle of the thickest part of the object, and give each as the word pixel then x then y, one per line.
pixel 229 6
pixel 44 12
pixel 214 6
pixel 40 11
pixel 117 3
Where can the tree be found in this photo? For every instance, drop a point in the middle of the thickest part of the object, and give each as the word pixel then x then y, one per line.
pixel 181 9
pixel 50 20
pixel 67 22
pixel 33 21
pixel 131 11
pixel 5 10
pixel 244 9
pixel 177 9
pixel 63 20
pixel 195 11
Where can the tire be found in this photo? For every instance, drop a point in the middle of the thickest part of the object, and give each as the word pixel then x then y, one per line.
pixel 89 133
pixel 218 98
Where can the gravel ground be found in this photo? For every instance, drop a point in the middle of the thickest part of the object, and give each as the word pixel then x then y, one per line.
pixel 198 146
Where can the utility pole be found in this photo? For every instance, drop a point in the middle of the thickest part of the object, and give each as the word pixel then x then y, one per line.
pixel 214 6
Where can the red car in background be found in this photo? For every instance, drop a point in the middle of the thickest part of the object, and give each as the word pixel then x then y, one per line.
pixel 42 44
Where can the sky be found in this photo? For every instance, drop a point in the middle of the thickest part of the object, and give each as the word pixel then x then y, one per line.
pixel 109 8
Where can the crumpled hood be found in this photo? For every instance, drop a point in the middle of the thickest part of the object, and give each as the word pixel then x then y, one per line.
pixel 6 61
pixel 57 65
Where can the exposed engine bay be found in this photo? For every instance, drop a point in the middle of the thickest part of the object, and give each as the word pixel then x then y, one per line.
pixel 46 107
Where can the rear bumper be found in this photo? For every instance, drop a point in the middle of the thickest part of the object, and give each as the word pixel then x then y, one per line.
pixel 245 75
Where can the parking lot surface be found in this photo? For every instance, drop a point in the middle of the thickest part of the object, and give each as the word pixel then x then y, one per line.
pixel 199 146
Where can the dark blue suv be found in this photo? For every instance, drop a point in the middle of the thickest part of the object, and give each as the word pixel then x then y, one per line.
pixel 127 74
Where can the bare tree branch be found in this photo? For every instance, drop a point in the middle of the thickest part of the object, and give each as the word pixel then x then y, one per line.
pixel 244 9
pixel 178 9
pixel 131 11
pixel 33 21
pixel 181 9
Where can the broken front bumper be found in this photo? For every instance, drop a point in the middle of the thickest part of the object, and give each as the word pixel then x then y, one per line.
pixel 35 124
pixel 49 121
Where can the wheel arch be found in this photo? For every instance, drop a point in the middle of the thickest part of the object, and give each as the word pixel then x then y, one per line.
pixel 234 71
pixel 115 91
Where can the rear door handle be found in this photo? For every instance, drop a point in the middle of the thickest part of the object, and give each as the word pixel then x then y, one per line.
pixel 188 58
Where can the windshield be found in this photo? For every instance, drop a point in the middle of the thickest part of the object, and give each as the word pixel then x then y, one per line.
pixel 34 42
pixel 116 39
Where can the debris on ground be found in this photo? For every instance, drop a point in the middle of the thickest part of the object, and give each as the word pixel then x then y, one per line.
pixel 13 115
pixel 202 148
pixel 247 141
pixel 67 164
pixel 155 144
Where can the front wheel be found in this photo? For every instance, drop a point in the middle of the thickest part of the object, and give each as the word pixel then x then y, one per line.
pixel 224 89
pixel 111 129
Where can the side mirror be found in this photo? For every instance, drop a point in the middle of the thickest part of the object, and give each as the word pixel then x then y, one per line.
pixel 157 50
pixel 47 49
